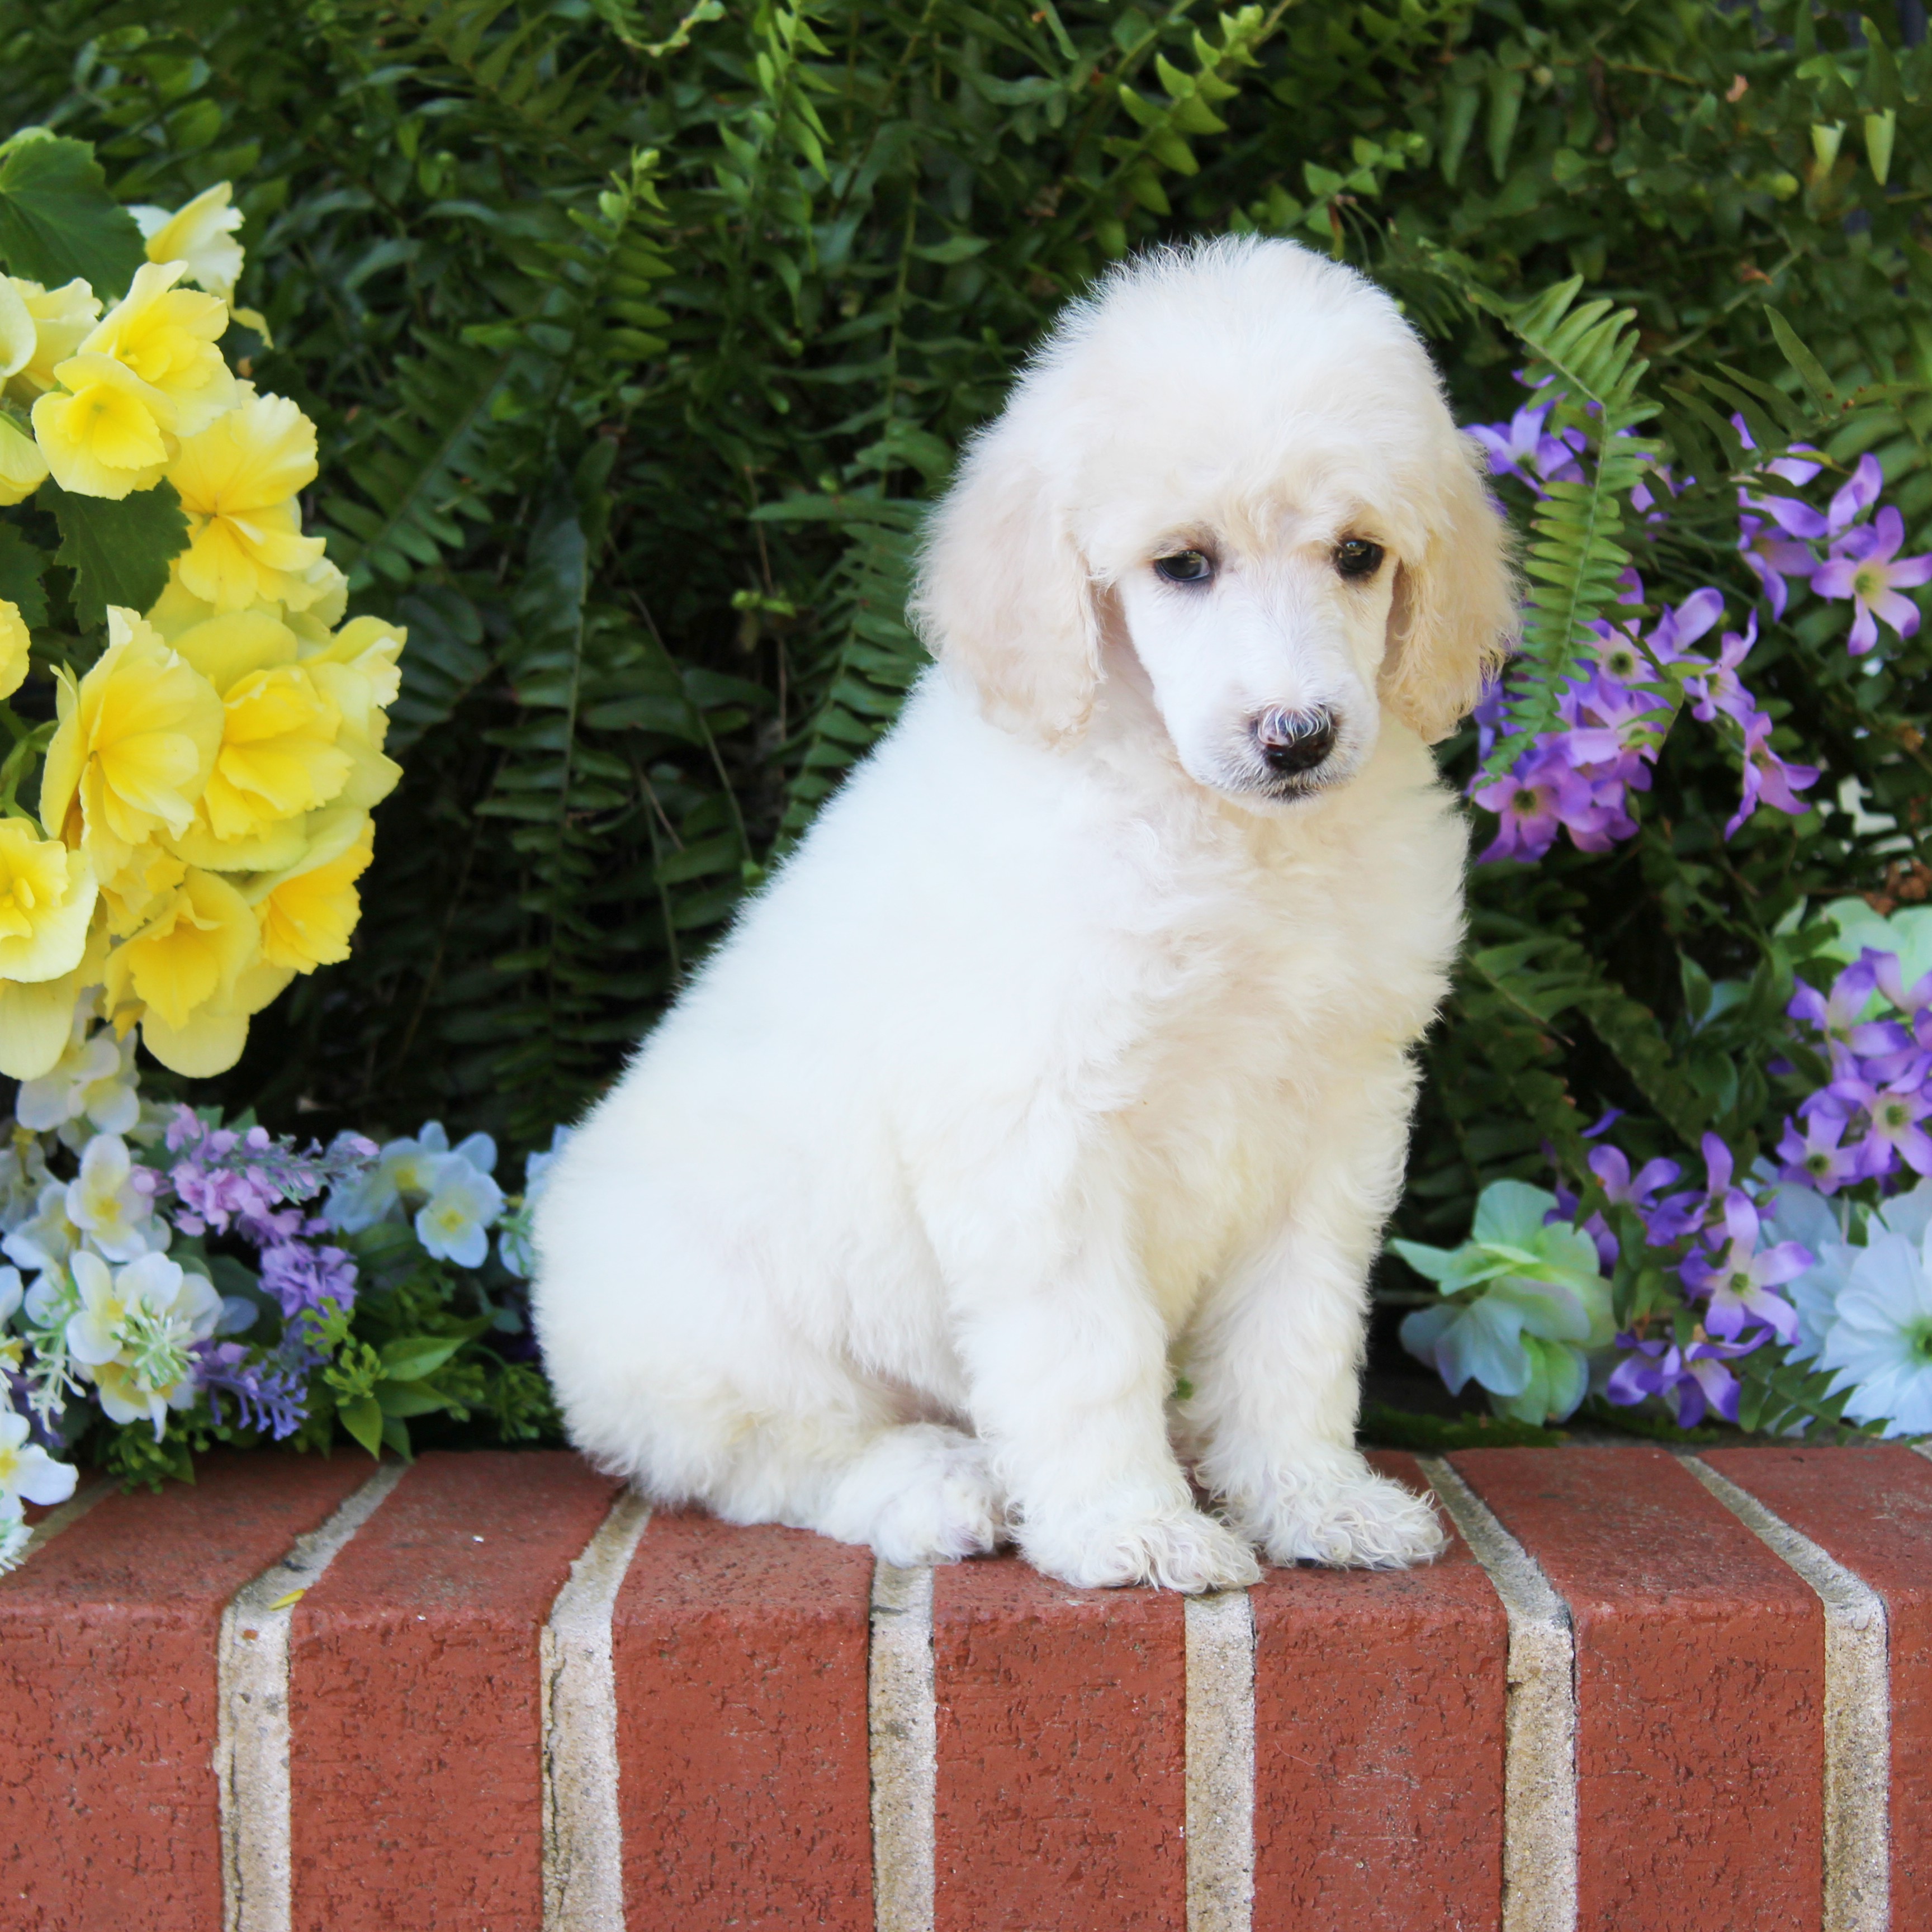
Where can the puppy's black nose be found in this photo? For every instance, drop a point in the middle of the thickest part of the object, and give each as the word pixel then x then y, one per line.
pixel 1292 741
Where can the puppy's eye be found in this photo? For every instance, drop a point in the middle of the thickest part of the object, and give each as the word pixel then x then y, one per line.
pixel 1185 566
pixel 1356 557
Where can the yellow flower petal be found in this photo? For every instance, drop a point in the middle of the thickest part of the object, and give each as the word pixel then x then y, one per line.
pixel 309 911
pixel 197 236
pixel 238 481
pixel 166 337
pixel 46 904
pixel 61 318
pixel 18 335
pixel 23 467
pixel 190 954
pixel 14 643
pixel 100 437
pixel 135 745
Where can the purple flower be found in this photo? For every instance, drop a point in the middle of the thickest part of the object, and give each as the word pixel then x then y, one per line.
pixel 1851 992
pixel 1718 689
pixel 1861 567
pixel 1613 1174
pixel 1691 1379
pixel 267 1395
pixel 1492 717
pixel 1538 797
pixel 1675 631
pixel 1815 1159
pixel 1892 1132
pixel 1521 441
pixel 1773 557
pixel 1739 1281
pixel 301 1277
pixel 1769 779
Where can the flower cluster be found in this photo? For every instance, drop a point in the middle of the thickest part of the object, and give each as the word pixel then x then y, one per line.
pixel 168 1271
pixel 1874 1029
pixel 1812 1258
pixel 205 796
pixel 1616 713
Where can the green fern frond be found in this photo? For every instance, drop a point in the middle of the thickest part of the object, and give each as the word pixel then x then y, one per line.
pixel 868 658
pixel 1586 353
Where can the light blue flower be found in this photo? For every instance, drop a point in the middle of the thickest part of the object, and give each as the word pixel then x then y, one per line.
pixel 1524 1304
pixel 453 1223
pixel 405 1171
pixel 514 1246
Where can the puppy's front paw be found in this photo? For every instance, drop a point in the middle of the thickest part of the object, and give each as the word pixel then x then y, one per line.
pixel 922 1494
pixel 1182 1549
pixel 1348 1516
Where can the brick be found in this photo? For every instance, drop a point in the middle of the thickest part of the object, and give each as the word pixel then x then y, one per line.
pixel 1061 1789
pixel 740 1658
pixel 110 1811
pixel 1870 1509
pixel 414 1757
pixel 1700 1691
pixel 1379 1744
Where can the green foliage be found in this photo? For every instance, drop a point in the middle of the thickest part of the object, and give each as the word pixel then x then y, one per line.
pixel 119 552
pixel 56 219
pixel 638 334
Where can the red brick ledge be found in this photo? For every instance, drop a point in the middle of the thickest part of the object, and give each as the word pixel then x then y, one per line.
pixel 488 1694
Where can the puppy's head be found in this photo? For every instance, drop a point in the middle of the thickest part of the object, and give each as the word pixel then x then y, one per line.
pixel 1237 460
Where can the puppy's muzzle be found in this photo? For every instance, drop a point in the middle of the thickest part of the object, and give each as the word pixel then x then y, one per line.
pixel 1292 742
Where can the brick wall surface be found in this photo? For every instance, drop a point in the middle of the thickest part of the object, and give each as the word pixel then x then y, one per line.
pixel 490 1694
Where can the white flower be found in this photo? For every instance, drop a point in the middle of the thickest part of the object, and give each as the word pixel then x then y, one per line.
pixel 1881 1340
pixel 94 1079
pixel 132 1330
pixel 105 1204
pixel 14 1535
pixel 11 1346
pixel 405 1169
pixel 453 1225
pixel 27 1474
pixel 23 1173
pixel 44 1242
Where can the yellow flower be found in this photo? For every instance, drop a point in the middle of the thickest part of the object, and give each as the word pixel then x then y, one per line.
pixel 308 911
pixel 22 468
pixel 18 335
pixel 197 972
pixel 36 1015
pixel 278 760
pixel 238 480
pixel 197 236
pixel 100 435
pixel 14 642
pixel 193 951
pixel 131 895
pixel 166 337
pixel 61 318
pixel 47 901
pixel 135 745
pixel 357 668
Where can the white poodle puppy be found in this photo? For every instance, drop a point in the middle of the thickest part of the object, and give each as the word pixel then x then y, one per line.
pixel 1043 1112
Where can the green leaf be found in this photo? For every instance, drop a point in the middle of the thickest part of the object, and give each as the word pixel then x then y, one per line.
pixel 22 567
pixel 397 1400
pixel 57 220
pixel 363 1419
pixel 119 553
pixel 1810 370
pixel 410 1357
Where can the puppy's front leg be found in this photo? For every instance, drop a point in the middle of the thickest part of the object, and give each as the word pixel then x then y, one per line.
pixel 1276 1363
pixel 1065 1361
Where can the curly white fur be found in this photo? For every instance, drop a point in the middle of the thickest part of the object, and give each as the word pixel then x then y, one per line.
pixel 1071 1052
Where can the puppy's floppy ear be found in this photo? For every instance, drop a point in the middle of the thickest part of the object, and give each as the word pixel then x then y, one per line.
pixel 1454 612
pixel 1003 600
